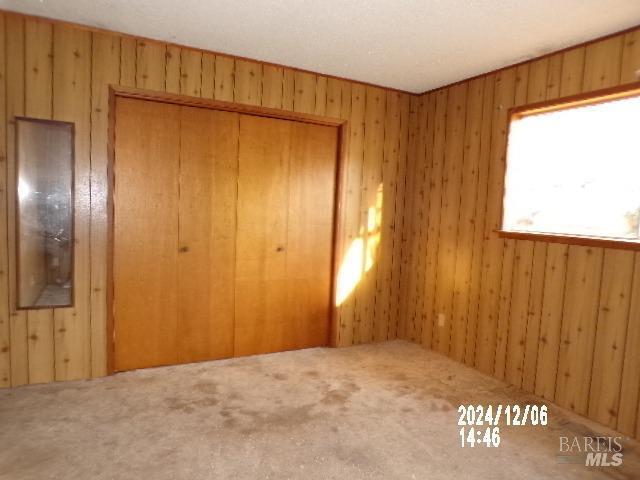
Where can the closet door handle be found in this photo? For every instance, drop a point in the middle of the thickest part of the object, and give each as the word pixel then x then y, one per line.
pixel 183 249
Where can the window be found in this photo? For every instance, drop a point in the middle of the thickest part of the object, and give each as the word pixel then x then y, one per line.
pixel 573 169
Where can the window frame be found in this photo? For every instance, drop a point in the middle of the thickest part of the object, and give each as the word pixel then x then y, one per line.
pixel 558 104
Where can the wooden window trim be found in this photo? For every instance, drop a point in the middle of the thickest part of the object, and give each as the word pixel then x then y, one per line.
pixel 589 98
pixel 602 242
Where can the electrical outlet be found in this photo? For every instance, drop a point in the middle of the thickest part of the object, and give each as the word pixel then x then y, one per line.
pixel 441 319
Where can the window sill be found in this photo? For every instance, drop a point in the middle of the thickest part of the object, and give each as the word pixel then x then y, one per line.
pixel 572 240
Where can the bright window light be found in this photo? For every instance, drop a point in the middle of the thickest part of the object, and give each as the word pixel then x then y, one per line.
pixel 575 171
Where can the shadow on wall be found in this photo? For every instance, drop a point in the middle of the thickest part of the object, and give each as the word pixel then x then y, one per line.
pixel 362 253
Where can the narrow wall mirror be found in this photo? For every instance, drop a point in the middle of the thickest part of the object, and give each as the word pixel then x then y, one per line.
pixel 44 213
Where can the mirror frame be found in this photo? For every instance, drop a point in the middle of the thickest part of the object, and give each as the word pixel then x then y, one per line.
pixel 71 303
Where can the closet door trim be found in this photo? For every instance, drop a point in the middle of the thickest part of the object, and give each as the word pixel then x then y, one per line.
pixel 183 100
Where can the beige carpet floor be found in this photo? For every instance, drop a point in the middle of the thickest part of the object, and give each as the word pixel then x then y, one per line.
pixel 383 411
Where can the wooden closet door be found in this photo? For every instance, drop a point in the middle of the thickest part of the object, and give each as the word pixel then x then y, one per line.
pixel 286 190
pixel 145 261
pixel 312 181
pixel 207 213
pixel 261 320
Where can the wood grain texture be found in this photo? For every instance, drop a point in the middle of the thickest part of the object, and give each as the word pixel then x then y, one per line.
pixel 286 190
pixel 551 319
pixel 248 84
pixel 370 212
pixel 429 226
pixel 38 104
pixel 5 319
pixel 465 226
pixel 83 65
pixel 609 62
pixel 150 64
pixel 105 70
pixel 310 223
pixel 424 131
pixel 449 217
pixel 611 328
pixel 72 103
pixel 351 230
pixel 145 235
pixel 630 388
pixel 15 98
pixel 207 225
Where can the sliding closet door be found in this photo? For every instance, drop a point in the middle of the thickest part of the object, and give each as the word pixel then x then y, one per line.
pixel 262 321
pixel 312 176
pixel 207 212
pixel 223 227
pixel 145 263
pixel 286 190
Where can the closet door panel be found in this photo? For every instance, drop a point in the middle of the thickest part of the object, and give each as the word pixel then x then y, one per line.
pixel 262 320
pixel 207 226
pixel 312 182
pixel 146 171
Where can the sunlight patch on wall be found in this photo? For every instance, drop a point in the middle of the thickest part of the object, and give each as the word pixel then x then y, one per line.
pixel 362 254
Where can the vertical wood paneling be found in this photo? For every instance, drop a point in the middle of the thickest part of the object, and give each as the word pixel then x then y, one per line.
pixel 304 99
pixel 602 63
pixel 431 218
pixel 493 249
pixel 271 86
pixel 630 388
pixel 172 73
pixel 321 96
pixel 528 273
pixel 414 148
pixel 128 61
pixel 399 216
pixel 38 103
pixel 352 242
pixel 608 355
pixel 408 234
pixel 370 214
pixel 334 97
pixel 551 321
pixel 539 88
pixel 449 216
pixel 5 340
pixel 190 73
pixel 631 57
pixel 248 83
pixel 288 89
pixel 150 65
pixel 15 95
pixel 105 70
pixel 208 75
pixel 466 221
pixel 567 82
pixel 384 286
pixel 71 102
pixel 417 179
pixel 509 265
pixel 479 220
pixel 63 73
pixel 223 84
pixel 549 318
pixel 584 270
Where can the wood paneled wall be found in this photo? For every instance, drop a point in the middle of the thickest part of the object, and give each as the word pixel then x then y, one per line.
pixel 55 70
pixel 560 321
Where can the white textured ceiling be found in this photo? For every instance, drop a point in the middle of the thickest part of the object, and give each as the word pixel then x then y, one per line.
pixel 412 45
